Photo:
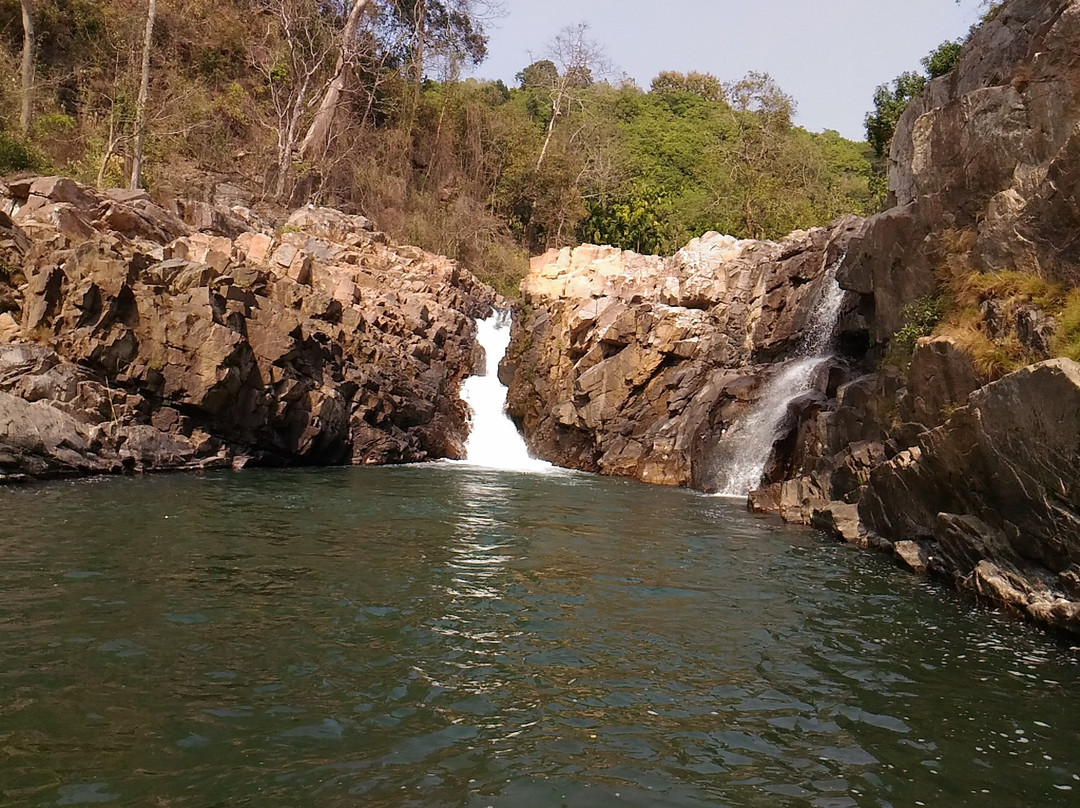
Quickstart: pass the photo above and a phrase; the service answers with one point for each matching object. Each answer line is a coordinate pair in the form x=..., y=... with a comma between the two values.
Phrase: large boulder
x=635, y=365
x=998, y=483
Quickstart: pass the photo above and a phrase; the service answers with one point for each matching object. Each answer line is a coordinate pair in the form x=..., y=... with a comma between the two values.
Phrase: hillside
x=477, y=171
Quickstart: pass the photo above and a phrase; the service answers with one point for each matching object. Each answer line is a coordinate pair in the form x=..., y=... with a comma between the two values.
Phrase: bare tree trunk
x=144, y=91
x=317, y=138
x=27, y=65
x=109, y=150
x=286, y=141
x=547, y=139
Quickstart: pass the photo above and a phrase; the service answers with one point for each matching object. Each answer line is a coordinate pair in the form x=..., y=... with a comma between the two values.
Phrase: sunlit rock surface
x=633, y=365
x=143, y=338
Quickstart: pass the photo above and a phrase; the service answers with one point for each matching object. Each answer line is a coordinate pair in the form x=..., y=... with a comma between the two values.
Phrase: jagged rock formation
x=138, y=338
x=632, y=365
x=994, y=148
x=981, y=484
x=636, y=366
x=992, y=496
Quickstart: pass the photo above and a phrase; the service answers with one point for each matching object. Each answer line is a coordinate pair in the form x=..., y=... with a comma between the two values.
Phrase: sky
x=828, y=54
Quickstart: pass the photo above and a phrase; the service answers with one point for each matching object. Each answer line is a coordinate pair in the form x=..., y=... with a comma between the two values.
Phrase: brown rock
x=636, y=364
x=997, y=482
x=940, y=379
x=912, y=554
x=264, y=368
x=840, y=519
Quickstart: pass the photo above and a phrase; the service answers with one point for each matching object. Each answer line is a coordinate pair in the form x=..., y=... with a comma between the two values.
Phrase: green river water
x=447, y=636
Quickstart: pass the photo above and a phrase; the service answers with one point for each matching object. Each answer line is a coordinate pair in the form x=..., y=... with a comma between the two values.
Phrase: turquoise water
x=443, y=636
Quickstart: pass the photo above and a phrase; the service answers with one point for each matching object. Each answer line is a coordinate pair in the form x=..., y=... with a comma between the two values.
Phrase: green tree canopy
x=890, y=100
x=942, y=60
x=705, y=85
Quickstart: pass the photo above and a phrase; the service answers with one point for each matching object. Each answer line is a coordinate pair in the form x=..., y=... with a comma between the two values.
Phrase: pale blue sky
x=828, y=54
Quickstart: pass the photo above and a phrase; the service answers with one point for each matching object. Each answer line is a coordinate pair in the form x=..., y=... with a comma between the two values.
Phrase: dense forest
x=361, y=106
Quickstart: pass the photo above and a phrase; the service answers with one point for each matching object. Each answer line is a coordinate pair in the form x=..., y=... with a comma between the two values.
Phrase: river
x=448, y=636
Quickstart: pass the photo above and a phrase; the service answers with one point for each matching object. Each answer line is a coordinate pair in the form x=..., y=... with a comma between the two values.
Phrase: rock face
x=135, y=340
x=992, y=496
x=634, y=365
x=994, y=149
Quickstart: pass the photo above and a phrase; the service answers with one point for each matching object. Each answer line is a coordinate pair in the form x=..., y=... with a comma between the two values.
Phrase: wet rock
x=794, y=500
x=635, y=365
x=912, y=554
x=840, y=519
x=997, y=482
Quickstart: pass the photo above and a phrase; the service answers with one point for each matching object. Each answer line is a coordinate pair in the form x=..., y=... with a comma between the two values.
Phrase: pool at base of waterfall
x=444, y=635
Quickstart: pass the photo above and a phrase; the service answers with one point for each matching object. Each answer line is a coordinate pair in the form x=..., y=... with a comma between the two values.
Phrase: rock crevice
x=199, y=337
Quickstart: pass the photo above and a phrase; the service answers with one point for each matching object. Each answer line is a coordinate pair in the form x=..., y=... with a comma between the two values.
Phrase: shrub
x=1067, y=340
x=991, y=359
x=920, y=318
x=15, y=155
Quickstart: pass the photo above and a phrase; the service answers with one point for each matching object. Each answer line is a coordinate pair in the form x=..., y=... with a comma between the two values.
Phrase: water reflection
x=443, y=636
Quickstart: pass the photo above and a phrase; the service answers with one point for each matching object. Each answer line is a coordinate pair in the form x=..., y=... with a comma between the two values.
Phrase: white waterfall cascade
x=749, y=442
x=494, y=441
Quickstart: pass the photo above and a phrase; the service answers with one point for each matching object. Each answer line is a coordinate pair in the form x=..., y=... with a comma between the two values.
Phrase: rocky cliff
x=134, y=337
x=633, y=365
x=641, y=366
x=984, y=488
x=991, y=151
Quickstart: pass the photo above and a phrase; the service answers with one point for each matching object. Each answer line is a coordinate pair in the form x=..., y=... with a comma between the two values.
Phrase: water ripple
x=443, y=636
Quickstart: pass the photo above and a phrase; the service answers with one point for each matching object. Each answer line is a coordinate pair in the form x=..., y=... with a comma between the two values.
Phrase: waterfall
x=748, y=444
x=494, y=441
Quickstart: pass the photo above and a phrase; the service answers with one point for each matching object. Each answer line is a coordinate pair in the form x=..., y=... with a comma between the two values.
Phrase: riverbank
x=136, y=337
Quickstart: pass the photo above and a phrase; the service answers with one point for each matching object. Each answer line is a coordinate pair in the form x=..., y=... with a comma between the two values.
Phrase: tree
x=889, y=104
x=762, y=112
x=295, y=56
x=579, y=58
x=318, y=134
x=704, y=85
x=890, y=100
x=144, y=91
x=539, y=75
x=27, y=8
x=758, y=92
x=942, y=60
x=638, y=220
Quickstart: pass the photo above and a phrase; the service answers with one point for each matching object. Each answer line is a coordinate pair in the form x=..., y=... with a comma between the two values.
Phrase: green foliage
x=942, y=60
x=704, y=85
x=16, y=155
x=540, y=75
x=53, y=124
x=890, y=101
x=676, y=164
x=637, y=221
x=920, y=318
